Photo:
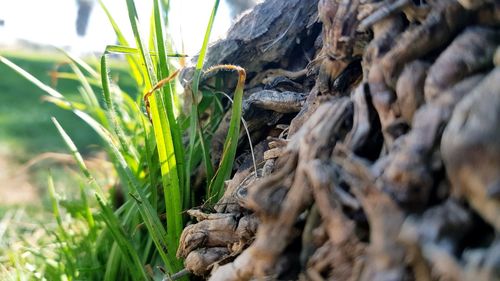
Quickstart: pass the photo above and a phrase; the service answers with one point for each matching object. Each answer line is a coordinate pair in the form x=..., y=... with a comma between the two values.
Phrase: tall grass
x=154, y=158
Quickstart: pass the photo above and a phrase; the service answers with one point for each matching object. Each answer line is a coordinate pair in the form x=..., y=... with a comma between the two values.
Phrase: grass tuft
x=131, y=228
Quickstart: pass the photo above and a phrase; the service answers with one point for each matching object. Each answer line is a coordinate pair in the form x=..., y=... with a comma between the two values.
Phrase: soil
x=15, y=187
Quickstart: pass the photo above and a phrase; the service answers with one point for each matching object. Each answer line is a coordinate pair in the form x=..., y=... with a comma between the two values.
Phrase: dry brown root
x=444, y=225
x=201, y=261
x=313, y=235
x=496, y=59
x=344, y=247
x=471, y=150
x=385, y=254
x=409, y=175
x=410, y=89
x=312, y=102
x=342, y=42
x=341, y=39
x=282, y=197
x=488, y=15
x=215, y=230
x=317, y=134
x=372, y=13
x=245, y=175
x=362, y=139
x=435, y=236
x=473, y=4
x=483, y=265
x=446, y=18
x=470, y=52
x=383, y=98
x=329, y=70
x=384, y=34
x=319, y=263
x=216, y=237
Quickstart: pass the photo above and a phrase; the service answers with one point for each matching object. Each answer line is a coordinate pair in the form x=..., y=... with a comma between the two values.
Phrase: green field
x=25, y=126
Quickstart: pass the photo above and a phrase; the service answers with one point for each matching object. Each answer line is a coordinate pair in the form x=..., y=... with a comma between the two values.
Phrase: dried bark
x=382, y=154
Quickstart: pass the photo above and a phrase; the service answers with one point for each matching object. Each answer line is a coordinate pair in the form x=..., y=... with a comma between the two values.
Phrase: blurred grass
x=25, y=125
x=96, y=237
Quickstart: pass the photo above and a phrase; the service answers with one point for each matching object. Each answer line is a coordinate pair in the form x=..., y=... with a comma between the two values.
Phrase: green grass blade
x=130, y=255
x=168, y=98
x=72, y=76
x=133, y=62
x=78, y=157
x=65, y=104
x=116, y=27
x=81, y=64
x=87, y=100
x=165, y=132
x=64, y=238
x=118, y=49
x=53, y=95
x=151, y=78
x=89, y=217
x=206, y=39
x=55, y=204
x=151, y=164
x=194, y=127
x=125, y=145
x=148, y=214
x=32, y=79
x=170, y=180
x=216, y=187
x=112, y=272
x=87, y=92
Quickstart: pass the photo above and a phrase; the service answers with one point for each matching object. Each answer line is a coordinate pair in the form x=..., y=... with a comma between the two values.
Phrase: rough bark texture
x=378, y=132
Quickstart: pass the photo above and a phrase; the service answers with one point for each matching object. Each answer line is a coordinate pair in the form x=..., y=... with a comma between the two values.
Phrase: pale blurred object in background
x=82, y=18
x=82, y=27
x=236, y=7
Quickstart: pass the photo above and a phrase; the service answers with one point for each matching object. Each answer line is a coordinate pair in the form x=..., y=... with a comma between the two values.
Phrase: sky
x=52, y=22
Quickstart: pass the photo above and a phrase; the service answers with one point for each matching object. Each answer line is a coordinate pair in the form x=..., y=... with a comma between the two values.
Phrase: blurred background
x=82, y=27
x=31, y=31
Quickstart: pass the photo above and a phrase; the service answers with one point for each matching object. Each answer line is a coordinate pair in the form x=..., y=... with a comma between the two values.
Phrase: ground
x=16, y=188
